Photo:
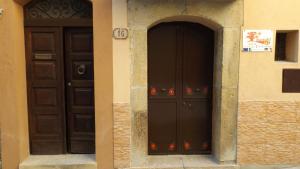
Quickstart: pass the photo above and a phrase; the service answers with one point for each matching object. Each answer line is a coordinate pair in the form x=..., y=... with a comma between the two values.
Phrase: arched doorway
x=60, y=76
x=180, y=85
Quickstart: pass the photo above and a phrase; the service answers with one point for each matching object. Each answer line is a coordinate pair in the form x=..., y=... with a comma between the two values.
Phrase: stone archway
x=222, y=105
x=142, y=16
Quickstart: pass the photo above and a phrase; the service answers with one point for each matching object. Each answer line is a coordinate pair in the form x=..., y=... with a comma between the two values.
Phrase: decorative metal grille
x=58, y=9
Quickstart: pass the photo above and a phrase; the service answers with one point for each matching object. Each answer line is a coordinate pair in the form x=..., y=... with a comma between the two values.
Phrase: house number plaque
x=120, y=33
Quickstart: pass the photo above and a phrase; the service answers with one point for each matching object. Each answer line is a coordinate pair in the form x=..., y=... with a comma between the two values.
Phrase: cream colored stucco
x=260, y=76
x=121, y=59
x=268, y=120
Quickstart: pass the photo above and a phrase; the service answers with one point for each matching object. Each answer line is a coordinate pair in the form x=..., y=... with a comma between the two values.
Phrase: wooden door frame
x=59, y=23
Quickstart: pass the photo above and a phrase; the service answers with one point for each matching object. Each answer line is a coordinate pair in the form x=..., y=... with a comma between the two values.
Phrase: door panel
x=80, y=90
x=196, y=130
x=162, y=127
x=44, y=70
x=163, y=86
x=162, y=62
x=197, y=89
x=180, y=75
x=197, y=61
x=45, y=90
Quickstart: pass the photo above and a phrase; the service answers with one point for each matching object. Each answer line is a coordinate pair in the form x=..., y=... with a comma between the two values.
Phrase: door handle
x=198, y=90
x=163, y=89
x=69, y=84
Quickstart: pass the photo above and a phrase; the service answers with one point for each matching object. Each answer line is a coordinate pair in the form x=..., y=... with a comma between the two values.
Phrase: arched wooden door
x=180, y=79
x=60, y=76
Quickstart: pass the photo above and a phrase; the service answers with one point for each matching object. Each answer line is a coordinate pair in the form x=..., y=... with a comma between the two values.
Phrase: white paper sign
x=257, y=40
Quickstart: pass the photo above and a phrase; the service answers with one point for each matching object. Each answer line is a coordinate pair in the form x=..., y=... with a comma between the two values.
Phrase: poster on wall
x=257, y=40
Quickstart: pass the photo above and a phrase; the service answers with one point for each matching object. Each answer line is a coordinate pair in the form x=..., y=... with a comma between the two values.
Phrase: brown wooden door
x=45, y=75
x=180, y=74
x=60, y=90
x=80, y=90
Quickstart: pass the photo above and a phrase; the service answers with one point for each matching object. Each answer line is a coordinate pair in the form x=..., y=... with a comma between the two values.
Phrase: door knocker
x=81, y=69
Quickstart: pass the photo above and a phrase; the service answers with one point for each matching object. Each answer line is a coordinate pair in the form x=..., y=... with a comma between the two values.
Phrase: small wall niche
x=287, y=45
x=291, y=81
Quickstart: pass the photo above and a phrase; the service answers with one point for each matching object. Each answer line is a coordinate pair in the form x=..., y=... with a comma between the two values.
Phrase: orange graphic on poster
x=252, y=35
x=257, y=40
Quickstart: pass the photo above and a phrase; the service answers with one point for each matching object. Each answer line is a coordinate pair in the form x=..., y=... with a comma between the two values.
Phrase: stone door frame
x=226, y=67
x=224, y=100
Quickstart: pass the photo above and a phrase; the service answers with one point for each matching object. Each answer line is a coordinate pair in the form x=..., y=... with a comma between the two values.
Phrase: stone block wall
x=269, y=133
x=122, y=133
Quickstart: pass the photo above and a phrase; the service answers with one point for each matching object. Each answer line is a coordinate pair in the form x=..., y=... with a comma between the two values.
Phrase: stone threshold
x=278, y=166
x=68, y=161
x=183, y=162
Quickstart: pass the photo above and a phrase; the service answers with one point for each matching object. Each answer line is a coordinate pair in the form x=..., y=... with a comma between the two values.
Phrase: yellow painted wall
x=15, y=140
x=103, y=79
x=260, y=76
x=268, y=120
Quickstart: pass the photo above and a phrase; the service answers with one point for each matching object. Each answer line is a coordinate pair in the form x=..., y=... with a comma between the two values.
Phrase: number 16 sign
x=120, y=33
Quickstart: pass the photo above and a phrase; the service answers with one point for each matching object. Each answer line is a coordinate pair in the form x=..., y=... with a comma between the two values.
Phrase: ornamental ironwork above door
x=58, y=9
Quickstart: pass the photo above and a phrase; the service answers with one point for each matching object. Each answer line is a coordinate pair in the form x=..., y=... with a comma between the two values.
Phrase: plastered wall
x=260, y=76
x=14, y=131
x=268, y=120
